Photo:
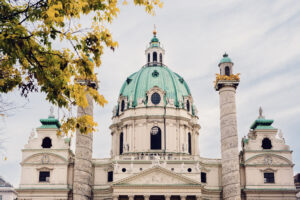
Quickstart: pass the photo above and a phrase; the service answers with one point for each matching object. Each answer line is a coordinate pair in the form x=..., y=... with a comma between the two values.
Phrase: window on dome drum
x=190, y=143
x=155, y=98
x=203, y=177
x=154, y=57
x=121, y=143
x=44, y=176
x=269, y=177
x=122, y=106
x=227, y=71
x=47, y=143
x=148, y=57
x=188, y=105
x=155, y=138
x=110, y=176
x=160, y=58
x=266, y=143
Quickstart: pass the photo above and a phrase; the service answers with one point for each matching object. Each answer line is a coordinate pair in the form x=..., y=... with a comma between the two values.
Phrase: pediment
x=44, y=158
x=268, y=159
x=157, y=176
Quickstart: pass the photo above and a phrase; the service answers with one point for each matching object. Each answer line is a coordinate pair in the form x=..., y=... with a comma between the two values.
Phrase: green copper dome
x=225, y=59
x=154, y=39
x=137, y=84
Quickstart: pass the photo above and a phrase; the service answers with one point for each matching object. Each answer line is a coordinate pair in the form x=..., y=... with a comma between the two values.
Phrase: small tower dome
x=225, y=59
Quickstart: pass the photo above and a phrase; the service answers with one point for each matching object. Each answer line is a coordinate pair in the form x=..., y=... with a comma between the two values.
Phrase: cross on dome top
x=154, y=30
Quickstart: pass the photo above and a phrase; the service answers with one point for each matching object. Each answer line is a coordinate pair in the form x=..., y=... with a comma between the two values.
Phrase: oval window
x=155, y=98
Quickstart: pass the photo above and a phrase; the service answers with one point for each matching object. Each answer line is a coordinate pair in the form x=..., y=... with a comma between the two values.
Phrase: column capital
x=146, y=197
x=131, y=197
x=116, y=197
x=167, y=197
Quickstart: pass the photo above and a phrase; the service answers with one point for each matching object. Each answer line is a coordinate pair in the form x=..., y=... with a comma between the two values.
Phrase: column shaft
x=229, y=142
x=82, y=186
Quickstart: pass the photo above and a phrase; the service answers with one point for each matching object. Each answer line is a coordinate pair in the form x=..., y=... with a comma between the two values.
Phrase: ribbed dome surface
x=137, y=84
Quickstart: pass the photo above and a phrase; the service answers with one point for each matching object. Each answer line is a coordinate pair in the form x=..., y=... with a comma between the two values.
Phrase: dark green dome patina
x=137, y=84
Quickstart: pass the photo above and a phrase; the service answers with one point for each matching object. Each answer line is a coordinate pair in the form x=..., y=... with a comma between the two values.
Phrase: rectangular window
x=203, y=177
x=0, y=197
x=269, y=178
x=44, y=176
x=110, y=176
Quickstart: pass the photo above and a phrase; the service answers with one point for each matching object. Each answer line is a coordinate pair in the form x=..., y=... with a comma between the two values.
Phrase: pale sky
x=261, y=37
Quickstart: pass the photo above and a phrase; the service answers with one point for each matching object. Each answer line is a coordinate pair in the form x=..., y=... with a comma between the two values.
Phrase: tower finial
x=51, y=112
x=260, y=113
x=154, y=30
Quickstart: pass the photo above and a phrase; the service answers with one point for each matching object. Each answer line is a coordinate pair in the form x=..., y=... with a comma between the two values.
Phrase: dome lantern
x=154, y=53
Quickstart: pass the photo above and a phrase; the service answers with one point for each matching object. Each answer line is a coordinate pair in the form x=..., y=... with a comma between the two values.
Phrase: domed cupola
x=155, y=114
x=155, y=85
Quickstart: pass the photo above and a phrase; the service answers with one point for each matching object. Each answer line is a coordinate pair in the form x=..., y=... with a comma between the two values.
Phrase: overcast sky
x=261, y=37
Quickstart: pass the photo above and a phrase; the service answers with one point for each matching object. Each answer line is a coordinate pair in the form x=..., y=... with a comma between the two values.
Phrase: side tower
x=83, y=168
x=226, y=83
x=267, y=164
x=47, y=164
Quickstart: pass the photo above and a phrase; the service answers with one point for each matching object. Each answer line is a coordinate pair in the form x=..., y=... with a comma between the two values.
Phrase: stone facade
x=155, y=148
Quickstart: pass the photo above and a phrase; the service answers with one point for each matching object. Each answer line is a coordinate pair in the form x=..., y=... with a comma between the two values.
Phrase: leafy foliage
x=29, y=60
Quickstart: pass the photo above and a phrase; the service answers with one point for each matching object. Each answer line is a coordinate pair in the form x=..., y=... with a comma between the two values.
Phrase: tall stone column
x=226, y=84
x=83, y=169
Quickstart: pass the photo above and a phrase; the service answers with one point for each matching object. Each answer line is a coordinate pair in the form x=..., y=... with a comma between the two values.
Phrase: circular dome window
x=155, y=98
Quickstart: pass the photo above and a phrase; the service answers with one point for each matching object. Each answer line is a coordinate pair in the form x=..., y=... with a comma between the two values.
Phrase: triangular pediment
x=157, y=176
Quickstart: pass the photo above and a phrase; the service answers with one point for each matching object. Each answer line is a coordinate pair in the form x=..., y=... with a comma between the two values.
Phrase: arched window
x=266, y=143
x=190, y=143
x=148, y=57
x=160, y=58
x=121, y=143
x=188, y=105
x=122, y=105
x=227, y=71
x=47, y=143
x=154, y=57
x=155, y=138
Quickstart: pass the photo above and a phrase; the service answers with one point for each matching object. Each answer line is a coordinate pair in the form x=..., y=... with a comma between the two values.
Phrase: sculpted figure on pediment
x=268, y=160
x=44, y=159
x=156, y=178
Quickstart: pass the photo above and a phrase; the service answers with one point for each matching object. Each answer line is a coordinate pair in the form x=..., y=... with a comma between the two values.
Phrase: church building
x=155, y=147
